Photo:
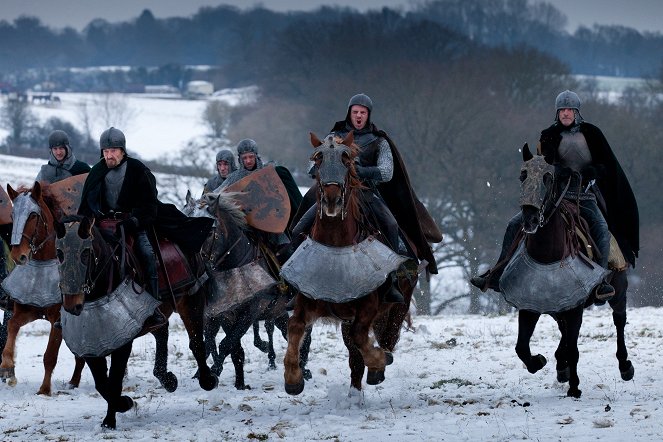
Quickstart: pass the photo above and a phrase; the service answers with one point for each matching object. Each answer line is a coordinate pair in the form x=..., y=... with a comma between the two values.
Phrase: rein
x=543, y=220
x=34, y=249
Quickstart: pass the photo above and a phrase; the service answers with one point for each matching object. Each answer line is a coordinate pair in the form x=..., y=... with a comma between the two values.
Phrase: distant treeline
x=236, y=39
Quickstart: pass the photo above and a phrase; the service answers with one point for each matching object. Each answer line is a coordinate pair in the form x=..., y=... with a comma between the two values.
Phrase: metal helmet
x=247, y=145
x=567, y=100
x=362, y=100
x=112, y=137
x=227, y=156
x=58, y=138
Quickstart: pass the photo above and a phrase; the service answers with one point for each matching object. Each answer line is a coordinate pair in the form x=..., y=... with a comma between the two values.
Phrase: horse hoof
x=209, y=383
x=12, y=381
x=574, y=393
x=306, y=373
x=242, y=387
x=563, y=375
x=374, y=377
x=7, y=373
x=109, y=423
x=388, y=358
x=294, y=389
x=124, y=404
x=628, y=374
x=168, y=382
x=271, y=366
x=537, y=363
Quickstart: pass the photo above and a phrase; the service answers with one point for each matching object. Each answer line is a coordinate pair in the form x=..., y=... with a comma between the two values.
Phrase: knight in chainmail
x=580, y=150
x=248, y=159
x=225, y=166
x=62, y=162
x=377, y=162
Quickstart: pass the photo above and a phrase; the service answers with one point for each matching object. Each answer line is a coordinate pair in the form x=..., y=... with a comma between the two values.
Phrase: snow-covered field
x=454, y=378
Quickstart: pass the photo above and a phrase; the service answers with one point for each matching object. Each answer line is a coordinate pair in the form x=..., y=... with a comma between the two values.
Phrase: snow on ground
x=454, y=378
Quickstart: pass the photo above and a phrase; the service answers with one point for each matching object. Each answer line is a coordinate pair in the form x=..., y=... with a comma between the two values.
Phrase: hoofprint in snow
x=454, y=378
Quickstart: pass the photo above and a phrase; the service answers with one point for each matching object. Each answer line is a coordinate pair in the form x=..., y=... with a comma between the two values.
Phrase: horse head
x=33, y=234
x=537, y=179
x=334, y=163
x=77, y=260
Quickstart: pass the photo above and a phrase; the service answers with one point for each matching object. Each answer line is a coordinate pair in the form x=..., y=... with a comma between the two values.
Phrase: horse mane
x=227, y=203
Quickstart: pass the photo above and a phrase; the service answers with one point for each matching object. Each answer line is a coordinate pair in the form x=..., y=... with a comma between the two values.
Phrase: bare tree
x=17, y=117
x=217, y=117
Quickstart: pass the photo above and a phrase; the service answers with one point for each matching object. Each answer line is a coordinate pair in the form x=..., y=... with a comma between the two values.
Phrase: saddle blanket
x=232, y=287
x=340, y=274
x=548, y=288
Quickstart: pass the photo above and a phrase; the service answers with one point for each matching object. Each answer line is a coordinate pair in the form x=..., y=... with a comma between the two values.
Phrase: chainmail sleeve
x=385, y=162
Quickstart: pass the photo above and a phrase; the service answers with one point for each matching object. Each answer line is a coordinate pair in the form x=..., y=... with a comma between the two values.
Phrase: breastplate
x=573, y=151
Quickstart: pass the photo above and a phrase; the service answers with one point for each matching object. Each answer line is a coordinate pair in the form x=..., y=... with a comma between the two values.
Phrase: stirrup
x=480, y=282
x=604, y=291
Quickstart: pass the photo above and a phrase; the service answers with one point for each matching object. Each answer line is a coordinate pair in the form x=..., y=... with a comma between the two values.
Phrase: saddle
x=171, y=259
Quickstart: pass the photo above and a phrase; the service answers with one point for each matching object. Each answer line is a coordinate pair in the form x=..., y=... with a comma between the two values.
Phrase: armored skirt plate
x=340, y=274
x=36, y=283
x=107, y=323
x=232, y=287
x=548, y=288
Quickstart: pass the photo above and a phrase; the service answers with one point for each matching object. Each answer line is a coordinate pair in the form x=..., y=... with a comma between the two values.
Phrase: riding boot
x=393, y=294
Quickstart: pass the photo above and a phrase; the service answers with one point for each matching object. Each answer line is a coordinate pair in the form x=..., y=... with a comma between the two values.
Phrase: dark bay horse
x=246, y=291
x=33, y=250
x=93, y=270
x=548, y=221
x=340, y=225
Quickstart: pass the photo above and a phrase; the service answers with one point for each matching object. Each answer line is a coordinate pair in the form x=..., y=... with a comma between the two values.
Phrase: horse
x=247, y=292
x=548, y=226
x=339, y=228
x=98, y=275
x=33, y=251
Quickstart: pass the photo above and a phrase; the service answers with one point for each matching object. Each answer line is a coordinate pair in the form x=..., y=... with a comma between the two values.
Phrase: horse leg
x=257, y=340
x=618, y=304
x=237, y=356
x=191, y=311
x=211, y=329
x=75, y=380
x=19, y=318
x=561, y=356
x=526, y=324
x=3, y=330
x=303, y=354
x=117, y=403
x=355, y=360
x=292, y=372
x=374, y=357
x=572, y=322
x=51, y=357
x=271, y=354
x=167, y=378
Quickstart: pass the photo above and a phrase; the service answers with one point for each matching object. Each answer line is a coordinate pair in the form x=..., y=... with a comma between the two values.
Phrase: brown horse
x=33, y=242
x=340, y=224
x=93, y=270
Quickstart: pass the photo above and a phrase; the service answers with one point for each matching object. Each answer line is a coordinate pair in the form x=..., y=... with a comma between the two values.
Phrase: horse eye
x=523, y=175
x=85, y=257
x=60, y=255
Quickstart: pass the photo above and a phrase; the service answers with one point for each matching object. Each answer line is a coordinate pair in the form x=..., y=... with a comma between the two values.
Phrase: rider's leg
x=491, y=279
x=149, y=262
x=598, y=228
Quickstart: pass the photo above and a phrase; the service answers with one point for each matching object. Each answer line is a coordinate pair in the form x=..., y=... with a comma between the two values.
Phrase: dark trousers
x=148, y=260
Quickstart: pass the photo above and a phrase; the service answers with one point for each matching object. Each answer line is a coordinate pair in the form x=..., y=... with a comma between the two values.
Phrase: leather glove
x=368, y=172
x=130, y=225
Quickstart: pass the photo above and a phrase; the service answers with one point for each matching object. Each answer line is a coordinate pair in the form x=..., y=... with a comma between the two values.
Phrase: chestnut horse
x=545, y=228
x=341, y=224
x=33, y=242
x=91, y=270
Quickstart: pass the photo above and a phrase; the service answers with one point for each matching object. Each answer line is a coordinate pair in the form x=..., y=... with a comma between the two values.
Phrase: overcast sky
x=644, y=15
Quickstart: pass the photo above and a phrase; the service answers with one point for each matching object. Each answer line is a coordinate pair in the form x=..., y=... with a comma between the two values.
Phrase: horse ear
x=188, y=196
x=349, y=139
x=36, y=191
x=527, y=155
x=11, y=192
x=315, y=141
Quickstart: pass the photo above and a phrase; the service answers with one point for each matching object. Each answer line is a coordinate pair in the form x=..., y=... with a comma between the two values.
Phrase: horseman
x=123, y=188
x=249, y=162
x=61, y=163
x=225, y=165
x=598, y=184
x=381, y=168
